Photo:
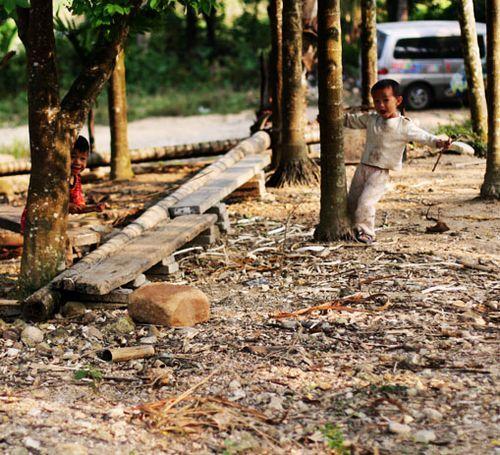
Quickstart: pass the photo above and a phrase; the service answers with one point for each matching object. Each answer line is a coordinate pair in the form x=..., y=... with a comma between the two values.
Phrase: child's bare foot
x=363, y=237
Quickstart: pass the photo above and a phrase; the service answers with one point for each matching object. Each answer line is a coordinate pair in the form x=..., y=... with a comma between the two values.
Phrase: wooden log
x=140, y=255
x=223, y=222
x=254, y=188
x=9, y=308
x=120, y=295
x=221, y=187
x=45, y=301
x=130, y=353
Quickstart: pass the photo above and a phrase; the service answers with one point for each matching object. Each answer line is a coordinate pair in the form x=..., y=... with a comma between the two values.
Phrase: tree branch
x=98, y=68
x=22, y=22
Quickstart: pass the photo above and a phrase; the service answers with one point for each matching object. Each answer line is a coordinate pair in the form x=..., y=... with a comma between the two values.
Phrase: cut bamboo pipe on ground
x=44, y=302
x=124, y=354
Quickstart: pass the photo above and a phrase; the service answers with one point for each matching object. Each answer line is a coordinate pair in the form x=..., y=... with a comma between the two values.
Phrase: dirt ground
x=407, y=363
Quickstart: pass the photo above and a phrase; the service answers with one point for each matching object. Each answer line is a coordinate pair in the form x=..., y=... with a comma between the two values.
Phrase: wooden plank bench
x=139, y=255
x=10, y=219
x=218, y=189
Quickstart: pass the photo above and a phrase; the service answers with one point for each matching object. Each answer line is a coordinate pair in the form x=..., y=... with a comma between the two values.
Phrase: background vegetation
x=173, y=71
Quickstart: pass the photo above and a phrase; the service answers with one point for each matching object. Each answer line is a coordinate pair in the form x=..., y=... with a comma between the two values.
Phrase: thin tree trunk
x=121, y=166
x=294, y=167
x=334, y=221
x=473, y=69
x=191, y=30
x=211, y=23
x=368, y=49
x=91, y=129
x=46, y=209
x=276, y=22
x=398, y=10
x=491, y=185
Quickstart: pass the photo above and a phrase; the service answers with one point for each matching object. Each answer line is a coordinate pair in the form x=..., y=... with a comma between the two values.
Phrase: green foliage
x=334, y=438
x=463, y=132
x=88, y=373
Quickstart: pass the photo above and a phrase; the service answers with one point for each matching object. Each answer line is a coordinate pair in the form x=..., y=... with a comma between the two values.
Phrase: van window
x=432, y=47
x=381, y=37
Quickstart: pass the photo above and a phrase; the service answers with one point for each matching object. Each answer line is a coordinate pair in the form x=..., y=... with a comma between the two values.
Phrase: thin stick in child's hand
x=437, y=161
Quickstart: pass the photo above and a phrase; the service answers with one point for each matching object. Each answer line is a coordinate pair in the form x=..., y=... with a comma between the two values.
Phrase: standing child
x=387, y=133
x=79, y=157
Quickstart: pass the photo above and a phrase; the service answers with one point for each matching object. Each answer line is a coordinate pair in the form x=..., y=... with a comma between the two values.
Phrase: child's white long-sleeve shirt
x=386, y=138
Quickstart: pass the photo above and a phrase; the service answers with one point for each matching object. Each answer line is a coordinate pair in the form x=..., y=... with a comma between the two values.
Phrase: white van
x=423, y=56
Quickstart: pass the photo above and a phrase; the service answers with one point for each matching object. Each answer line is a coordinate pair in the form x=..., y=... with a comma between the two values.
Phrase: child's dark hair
x=82, y=144
x=396, y=90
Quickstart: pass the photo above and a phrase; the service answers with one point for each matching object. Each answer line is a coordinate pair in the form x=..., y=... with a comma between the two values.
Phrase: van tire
x=418, y=96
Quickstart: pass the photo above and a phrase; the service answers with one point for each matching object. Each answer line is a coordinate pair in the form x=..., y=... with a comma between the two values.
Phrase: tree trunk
x=398, y=10
x=491, y=185
x=473, y=69
x=191, y=30
x=368, y=49
x=276, y=21
x=121, y=166
x=294, y=167
x=46, y=209
x=53, y=126
x=91, y=129
x=211, y=23
x=334, y=221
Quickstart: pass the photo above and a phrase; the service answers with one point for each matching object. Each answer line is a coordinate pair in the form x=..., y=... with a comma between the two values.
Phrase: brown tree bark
x=491, y=185
x=294, y=167
x=53, y=127
x=121, y=165
x=368, y=49
x=334, y=223
x=276, y=22
x=191, y=29
x=398, y=10
x=91, y=129
x=473, y=69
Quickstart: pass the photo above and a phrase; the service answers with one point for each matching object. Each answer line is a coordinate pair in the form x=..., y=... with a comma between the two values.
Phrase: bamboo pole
x=124, y=354
x=145, y=155
x=45, y=301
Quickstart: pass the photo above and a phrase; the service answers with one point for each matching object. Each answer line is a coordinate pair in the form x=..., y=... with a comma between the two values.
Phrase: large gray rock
x=169, y=304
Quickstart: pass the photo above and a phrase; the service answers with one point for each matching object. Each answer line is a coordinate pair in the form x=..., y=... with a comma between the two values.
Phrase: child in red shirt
x=79, y=157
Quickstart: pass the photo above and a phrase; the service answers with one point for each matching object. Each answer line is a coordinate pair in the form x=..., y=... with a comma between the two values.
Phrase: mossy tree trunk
x=121, y=165
x=368, y=49
x=491, y=185
x=53, y=126
x=473, y=69
x=294, y=166
x=275, y=12
x=334, y=223
x=399, y=10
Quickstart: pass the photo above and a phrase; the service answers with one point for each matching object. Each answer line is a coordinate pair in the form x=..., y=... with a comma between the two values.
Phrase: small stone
x=169, y=304
x=432, y=414
x=408, y=419
x=148, y=340
x=289, y=324
x=276, y=403
x=399, y=428
x=12, y=333
x=43, y=348
x=70, y=449
x=12, y=352
x=425, y=436
x=139, y=281
x=123, y=326
x=94, y=332
x=19, y=323
x=153, y=331
x=73, y=309
x=31, y=443
x=31, y=335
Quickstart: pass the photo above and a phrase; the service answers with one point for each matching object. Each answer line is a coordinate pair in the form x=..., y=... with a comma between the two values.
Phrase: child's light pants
x=367, y=187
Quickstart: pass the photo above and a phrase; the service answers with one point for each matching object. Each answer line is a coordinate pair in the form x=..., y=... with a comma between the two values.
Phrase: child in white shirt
x=387, y=133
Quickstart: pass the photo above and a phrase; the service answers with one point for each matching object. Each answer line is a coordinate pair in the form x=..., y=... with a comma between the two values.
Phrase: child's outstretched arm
x=357, y=121
x=416, y=134
x=77, y=209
